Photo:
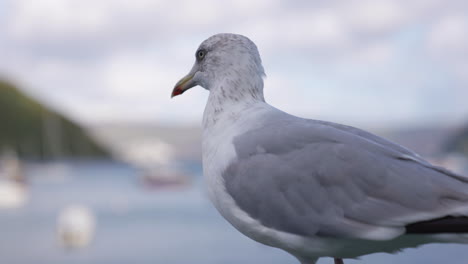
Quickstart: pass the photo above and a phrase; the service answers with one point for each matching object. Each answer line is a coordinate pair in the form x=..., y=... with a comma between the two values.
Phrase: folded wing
x=313, y=178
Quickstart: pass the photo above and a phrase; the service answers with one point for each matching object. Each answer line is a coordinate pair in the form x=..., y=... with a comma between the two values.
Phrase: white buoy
x=75, y=226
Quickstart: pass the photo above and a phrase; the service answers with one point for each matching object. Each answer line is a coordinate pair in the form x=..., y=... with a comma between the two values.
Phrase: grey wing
x=310, y=178
x=373, y=138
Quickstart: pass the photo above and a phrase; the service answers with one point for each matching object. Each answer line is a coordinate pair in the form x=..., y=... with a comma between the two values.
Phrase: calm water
x=136, y=225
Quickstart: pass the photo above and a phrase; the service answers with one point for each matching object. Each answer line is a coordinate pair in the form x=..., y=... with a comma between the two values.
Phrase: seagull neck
x=230, y=97
x=238, y=90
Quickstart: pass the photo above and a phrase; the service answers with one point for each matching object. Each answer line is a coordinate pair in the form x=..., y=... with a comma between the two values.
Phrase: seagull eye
x=200, y=54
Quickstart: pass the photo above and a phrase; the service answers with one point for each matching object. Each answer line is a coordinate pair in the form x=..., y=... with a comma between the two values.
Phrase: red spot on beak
x=177, y=91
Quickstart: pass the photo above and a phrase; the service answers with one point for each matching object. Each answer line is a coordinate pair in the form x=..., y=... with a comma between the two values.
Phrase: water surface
x=137, y=225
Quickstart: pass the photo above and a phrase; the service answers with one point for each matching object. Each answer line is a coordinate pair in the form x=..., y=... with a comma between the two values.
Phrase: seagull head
x=223, y=57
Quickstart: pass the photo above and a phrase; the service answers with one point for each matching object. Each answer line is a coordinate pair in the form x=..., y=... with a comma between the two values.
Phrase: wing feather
x=312, y=178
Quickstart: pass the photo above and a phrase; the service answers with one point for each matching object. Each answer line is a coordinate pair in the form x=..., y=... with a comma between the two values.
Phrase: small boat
x=164, y=177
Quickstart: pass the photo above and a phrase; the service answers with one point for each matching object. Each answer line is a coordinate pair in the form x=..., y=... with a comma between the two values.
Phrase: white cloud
x=375, y=16
x=449, y=36
x=130, y=76
x=55, y=18
x=448, y=43
x=118, y=60
x=462, y=72
x=375, y=53
x=320, y=29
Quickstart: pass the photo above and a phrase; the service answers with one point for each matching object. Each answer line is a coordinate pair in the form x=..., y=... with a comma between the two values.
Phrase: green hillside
x=35, y=132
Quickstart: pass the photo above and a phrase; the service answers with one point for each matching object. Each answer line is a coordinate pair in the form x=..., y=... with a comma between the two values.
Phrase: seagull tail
x=446, y=229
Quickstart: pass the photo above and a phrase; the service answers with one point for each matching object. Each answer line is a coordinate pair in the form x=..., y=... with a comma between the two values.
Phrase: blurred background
x=98, y=165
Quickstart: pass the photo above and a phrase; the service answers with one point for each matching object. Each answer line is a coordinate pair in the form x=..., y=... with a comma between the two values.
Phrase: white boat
x=155, y=159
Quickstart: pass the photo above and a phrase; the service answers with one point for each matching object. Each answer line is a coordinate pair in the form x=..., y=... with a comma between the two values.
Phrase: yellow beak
x=183, y=85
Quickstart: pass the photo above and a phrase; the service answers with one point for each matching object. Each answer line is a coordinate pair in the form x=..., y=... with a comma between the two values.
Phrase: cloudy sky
x=371, y=62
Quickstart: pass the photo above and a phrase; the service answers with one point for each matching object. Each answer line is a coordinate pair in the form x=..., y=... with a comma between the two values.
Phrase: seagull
x=313, y=188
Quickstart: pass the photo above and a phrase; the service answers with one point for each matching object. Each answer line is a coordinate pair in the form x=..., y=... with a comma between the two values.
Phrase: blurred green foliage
x=35, y=132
